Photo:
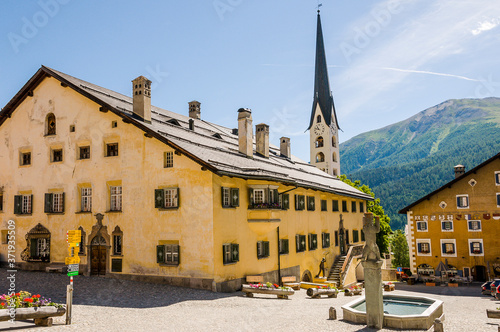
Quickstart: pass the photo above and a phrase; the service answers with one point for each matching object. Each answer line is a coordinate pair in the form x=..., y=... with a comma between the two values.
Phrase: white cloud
x=485, y=26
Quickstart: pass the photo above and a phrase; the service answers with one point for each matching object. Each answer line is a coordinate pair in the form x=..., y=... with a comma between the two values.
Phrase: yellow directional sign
x=73, y=244
x=72, y=260
x=77, y=233
x=74, y=239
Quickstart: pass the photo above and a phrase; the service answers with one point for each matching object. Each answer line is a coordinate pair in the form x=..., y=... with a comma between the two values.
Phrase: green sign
x=74, y=273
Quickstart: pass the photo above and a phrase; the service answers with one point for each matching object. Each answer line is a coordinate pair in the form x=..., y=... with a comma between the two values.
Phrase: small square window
x=116, y=198
x=300, y=243
x=313, y=241
x=355, y=236
x=344, y=206
x=498, y=200
x=25, y=158
x=231, y=253
x=117, y=244
x=262, y=249
x=167, y=198
x=497, y=178
x=323, y=205
x=72, y=128
x=85, y=152
x=325, y=239
x=422, y=226
x=310, y=203
x=361, y=207
x=474, y=225
x=168, y=159
x=114, y=124
x=424, y=248
x=476, y=247
x=112, y=150
x=335, y=205
x=353, y=206
x=57, y=155
x=447, y=226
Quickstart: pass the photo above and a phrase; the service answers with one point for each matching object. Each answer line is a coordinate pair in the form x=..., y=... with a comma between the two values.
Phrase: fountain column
x=372, y=264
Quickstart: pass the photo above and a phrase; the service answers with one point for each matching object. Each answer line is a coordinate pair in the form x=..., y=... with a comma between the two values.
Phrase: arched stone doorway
x=306, y=276
x=99, y=244
x=98, y=255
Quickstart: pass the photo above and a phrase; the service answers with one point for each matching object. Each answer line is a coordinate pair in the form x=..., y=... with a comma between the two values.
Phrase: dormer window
x=50, y=124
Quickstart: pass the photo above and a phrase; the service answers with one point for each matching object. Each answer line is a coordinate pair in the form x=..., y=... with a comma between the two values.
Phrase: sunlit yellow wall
x=231, y=225
x=138, y=168
x=482, y=199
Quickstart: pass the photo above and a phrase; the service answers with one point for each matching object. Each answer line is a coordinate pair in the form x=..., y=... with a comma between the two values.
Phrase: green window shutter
x=235, y=252
x=159, y=198
x=224, y=253
x=178, y=197
x=63, y=201
x=296, y=202
x=286, y=246
x=362, y=235
x=336, y=238
x=32, y=204
x=235, y=197
x=443, y=248
x=160, y=254
x=286, y=201
x=275, y=196
x=480, y=247
x=267, y=196
x=48, y=203
x=222, y=196
x=33, y=245
x=419, y=247
x=347, y=236
x=18, y=201
x=177, y=249
x=266, y=248
x=498, y=198
x=250, y=196
x=258, y=247
x=328, y=240
x=297, y=243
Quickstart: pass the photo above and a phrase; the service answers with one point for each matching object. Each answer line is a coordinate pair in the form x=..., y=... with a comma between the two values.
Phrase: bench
x=250, y=291
x=291, y=282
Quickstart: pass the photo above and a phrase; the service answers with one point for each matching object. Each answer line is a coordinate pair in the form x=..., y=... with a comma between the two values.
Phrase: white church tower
x=323, y=127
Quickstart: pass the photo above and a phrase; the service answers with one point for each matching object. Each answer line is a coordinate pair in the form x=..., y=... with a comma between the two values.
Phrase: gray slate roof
x=220, y=155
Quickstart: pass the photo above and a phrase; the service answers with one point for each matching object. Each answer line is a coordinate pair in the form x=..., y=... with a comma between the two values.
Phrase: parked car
x=486, y=288
x=497, y=293
x=493, y=287
x=405, y=274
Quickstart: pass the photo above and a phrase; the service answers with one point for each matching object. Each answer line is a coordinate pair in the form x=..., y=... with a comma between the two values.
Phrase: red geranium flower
x=2, y=304
x=18, y=294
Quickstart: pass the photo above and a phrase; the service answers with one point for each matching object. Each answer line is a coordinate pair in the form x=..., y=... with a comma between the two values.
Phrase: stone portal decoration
x=373, y=274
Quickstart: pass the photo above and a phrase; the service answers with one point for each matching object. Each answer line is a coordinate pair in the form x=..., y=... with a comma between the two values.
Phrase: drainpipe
x=279, y=258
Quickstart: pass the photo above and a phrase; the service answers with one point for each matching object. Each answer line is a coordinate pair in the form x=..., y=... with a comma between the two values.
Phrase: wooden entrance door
x=98, y=256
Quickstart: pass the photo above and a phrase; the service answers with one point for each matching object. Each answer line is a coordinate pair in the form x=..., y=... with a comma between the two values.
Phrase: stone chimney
x=191, y=124
x=245, y=131
x=194, y=109
x=285, y=147
x=141, y=89
x=459, y=170
x=262, y=139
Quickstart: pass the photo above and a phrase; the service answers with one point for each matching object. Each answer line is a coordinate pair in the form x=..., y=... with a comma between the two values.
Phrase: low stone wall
x=198, y=283
x=389, y=275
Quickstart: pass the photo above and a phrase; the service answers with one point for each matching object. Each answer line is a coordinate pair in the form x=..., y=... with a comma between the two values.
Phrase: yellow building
x=458, y=223
x=165, y=197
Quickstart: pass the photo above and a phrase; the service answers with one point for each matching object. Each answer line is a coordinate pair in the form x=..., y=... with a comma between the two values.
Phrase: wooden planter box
x=41, y=315
x=316, y=293
x=493, y=313
x=389, y=288
x=280, y=293
x=430, y=284
x=452, y=284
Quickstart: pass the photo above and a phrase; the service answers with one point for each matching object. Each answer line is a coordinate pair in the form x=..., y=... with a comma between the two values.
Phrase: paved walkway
x=103, y=304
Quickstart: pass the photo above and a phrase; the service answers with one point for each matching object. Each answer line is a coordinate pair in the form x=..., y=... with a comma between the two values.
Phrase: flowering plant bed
x=268, y=288
x=353, y=290
x=329, y=290
x=23, y=305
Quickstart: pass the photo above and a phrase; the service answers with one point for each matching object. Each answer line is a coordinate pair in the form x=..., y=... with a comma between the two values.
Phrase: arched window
x=50, y=124
x=318, y=118
x=320, y=157
x=319, y=142
x=38, y=245
x=334, y=143
x=334, y=157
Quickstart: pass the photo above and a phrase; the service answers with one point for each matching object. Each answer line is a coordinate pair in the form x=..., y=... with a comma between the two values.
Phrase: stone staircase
x=336, y=269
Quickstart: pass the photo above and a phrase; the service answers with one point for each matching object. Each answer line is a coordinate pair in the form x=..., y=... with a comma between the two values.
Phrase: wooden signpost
x=73, y=261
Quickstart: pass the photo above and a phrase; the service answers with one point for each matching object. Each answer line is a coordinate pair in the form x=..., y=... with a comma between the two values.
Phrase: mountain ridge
x=422, y=149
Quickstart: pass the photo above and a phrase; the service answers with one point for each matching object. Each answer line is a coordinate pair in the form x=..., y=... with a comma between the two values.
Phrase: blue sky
x=387, y=59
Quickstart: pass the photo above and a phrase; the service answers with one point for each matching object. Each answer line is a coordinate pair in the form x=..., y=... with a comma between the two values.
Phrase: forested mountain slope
x=407, y=160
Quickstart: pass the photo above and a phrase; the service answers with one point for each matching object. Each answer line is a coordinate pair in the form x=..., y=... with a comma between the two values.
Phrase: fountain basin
x=400, y=311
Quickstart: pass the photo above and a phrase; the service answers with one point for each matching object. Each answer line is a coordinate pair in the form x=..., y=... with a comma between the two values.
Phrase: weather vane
x=319, y=5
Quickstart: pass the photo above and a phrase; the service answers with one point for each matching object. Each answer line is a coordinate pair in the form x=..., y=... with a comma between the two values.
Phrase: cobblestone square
x=103, y=304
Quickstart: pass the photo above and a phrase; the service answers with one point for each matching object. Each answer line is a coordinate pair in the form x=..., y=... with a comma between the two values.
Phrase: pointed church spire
x=322, y=92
